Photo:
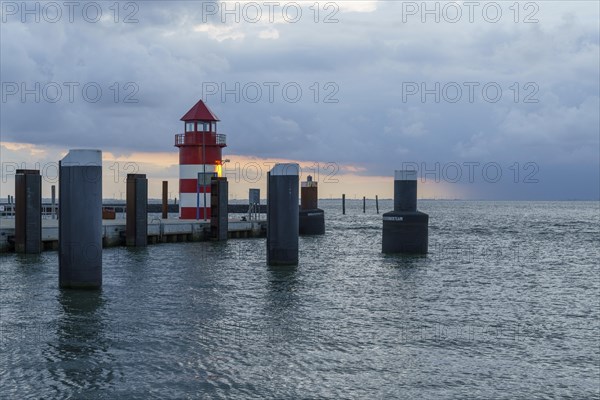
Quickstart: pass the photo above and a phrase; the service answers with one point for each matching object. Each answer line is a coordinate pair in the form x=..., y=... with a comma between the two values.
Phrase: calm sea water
x=504, y=306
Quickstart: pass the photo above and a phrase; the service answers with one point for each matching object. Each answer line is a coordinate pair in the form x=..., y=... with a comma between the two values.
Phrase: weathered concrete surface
x=159, y=231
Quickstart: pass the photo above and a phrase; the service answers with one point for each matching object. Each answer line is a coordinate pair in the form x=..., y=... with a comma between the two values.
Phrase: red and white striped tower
x=199, y=155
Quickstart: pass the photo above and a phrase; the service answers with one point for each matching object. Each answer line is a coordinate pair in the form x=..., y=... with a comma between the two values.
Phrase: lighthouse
x=200, y=159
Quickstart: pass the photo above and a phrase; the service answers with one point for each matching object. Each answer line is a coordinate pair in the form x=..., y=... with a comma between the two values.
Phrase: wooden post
x=377, y=203
x=344, y=204
x=364, y=204
x=53, y=212
x=165, y=199
x=136, y=228
x=28, y=211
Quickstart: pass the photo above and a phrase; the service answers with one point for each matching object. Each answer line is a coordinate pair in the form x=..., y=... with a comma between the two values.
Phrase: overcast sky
x=486, y=89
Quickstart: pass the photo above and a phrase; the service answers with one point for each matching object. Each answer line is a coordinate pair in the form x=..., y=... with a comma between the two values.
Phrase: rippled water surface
x=505, y=305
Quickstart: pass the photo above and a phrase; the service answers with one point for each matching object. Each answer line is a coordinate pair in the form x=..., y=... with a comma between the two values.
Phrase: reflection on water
x=282, y=296
x=28, y=262
x=282, y=278
x=79, y=358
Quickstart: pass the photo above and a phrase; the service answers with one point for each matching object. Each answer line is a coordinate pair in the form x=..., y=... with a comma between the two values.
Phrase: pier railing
x=8, y=211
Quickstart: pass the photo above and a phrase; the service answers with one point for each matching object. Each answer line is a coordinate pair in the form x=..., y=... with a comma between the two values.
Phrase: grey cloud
x=368, y=55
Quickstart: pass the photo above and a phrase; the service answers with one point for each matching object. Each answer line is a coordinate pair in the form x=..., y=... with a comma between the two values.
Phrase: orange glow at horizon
x=243, y=173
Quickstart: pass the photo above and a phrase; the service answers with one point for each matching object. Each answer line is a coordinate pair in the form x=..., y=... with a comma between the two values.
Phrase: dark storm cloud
x=166, y=60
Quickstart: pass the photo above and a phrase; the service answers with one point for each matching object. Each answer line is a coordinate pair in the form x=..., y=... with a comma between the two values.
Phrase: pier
x=159, y=231
x=7, y=210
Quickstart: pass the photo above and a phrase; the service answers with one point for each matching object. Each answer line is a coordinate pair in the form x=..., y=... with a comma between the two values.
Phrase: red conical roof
x=200, y=112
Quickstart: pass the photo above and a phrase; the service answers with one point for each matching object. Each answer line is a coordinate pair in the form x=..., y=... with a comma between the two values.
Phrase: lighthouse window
x=201, y=127
x=189, y=126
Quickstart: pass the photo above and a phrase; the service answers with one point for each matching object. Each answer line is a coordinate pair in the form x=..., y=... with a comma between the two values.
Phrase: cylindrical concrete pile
x=80, y=220
x=405, y=230
x=312, y=218
x=282, y=214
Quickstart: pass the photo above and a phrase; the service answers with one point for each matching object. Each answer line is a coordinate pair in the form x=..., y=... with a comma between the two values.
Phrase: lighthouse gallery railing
x=196, y=138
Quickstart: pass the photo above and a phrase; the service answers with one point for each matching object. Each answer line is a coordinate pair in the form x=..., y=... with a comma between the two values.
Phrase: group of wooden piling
x=364, y=204
x=80, y=215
